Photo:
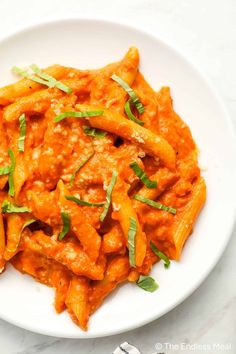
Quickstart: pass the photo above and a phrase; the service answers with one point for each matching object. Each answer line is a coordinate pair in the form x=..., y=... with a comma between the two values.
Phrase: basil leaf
x=77, y=115
x=131, y=240
x=11, y=191
x=160, y=254
x=135, y=99
x=95, y=133
x=147, y=283
x=42, y=78
x=82, y=202
x=108, y=195
x=130, y=115
x=154, y=204
x=66, y=225
x=52, y=82
x=21, y=140
x=4, y=170
x=27, y=223
x=142, y=176
x=79, y=167
x=8, y=207
x=24, y=73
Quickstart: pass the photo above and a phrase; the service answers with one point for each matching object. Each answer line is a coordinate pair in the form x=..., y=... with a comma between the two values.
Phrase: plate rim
x=32, y=25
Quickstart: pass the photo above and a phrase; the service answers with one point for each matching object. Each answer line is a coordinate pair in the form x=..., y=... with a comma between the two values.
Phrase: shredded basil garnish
x=11, y=191
x=21, y=140
x=77, y=115
x=24, y=73
x=66, y=225
x=131, y=240
x=160, y=254
x=95, y=133
x=79, y=167
x=4, y=170
x=51, y=81
x=27, y=223
x=8, y=207
x=83, y=202
x=135, y=99
x=147, y=283
x=142, y=176
x=41, y=78
x=154, y=204
x=130, y=115
x=108, y=195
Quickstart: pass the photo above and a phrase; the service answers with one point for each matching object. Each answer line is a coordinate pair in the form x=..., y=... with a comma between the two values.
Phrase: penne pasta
x=4, y=158
x=99, y=180
x=2, y=245
x=115, y=96
x=165, y=180
x=14, y=227
x=47, y=272
x=114, y=240
x=150, y=142
x=148, y=97
x=77, y=301
x=68, y=254
x=184, y=224
x=86, y=233
x=25, y=87
x=124, y=211
x=117, y=272
x=38, y=102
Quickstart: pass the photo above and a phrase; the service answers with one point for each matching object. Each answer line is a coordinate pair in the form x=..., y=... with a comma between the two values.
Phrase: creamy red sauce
x=93, y=257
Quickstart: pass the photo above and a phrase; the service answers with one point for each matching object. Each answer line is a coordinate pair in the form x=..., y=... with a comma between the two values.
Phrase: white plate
x=91, y=44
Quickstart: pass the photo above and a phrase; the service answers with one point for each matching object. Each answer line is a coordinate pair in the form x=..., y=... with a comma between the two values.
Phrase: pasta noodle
x=124, y=211
x=2, y=245
x=183, y=226
x=77, y=301
x=14, y=226
x=99, y=180
x=117, y=124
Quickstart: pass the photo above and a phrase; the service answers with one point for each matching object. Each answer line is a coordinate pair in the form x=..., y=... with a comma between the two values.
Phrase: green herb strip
x=83, y=202
x=42, y=78
x=154, y=204
x=131, y=240
x=108, y=195
x=130, y=115
x=142, y=176
x=79, y=167
x=93, y=132
x=73, y=114
x=4, y=170
x=66, y=225
x=135, y=99
x=27, y=223
x=160, y=254
x=21, y=140
x=8, y=207
x=11, y=191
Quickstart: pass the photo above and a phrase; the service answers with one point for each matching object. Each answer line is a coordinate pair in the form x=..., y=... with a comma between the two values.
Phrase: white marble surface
x=205, y=31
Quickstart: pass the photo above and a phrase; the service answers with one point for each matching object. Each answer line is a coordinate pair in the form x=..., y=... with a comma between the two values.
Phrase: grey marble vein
x=39, y=347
